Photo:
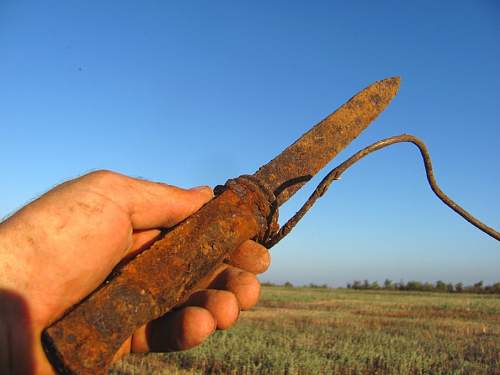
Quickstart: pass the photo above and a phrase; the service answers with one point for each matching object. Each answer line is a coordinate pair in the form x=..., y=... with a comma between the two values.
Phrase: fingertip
x=190, y=201
x=252, y=257
x=204, y=190
x=244, y=285
x=222, y=304
x=194, y=325
x=200, y=195
x=181, y=330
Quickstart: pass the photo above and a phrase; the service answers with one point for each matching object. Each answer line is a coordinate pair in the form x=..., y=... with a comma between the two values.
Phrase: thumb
x=157, y=205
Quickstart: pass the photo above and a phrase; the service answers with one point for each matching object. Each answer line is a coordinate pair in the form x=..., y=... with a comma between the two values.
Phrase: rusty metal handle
x=85, y=340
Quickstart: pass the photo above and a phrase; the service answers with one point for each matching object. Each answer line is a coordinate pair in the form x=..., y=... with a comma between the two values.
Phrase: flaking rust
x=85, y=340
x=293, y=167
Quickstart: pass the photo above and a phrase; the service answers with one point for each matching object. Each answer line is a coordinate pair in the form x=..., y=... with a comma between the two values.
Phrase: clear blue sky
x=194, y=93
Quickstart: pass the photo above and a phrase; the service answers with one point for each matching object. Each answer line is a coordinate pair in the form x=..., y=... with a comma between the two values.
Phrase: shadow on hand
x=16, y=335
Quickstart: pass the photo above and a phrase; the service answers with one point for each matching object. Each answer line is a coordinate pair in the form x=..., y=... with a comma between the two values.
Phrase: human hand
x=59, y=248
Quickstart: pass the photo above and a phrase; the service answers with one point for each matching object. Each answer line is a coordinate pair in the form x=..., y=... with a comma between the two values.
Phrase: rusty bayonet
x=85, y=340
x=286, y=173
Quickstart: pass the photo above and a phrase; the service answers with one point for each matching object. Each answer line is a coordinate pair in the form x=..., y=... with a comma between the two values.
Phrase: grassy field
x=331, y=331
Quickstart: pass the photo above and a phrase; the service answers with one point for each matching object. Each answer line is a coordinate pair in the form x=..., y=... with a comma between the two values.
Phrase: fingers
x=249, y=259
x=190, y=325
x=206, y=310
x=180, y=330
x=244, y=285
x=251, y=256
x=160, y=205
x=222, y=304
x=201, y=314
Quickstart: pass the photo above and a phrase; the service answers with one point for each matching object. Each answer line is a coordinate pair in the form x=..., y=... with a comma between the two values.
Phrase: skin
x=59, y=248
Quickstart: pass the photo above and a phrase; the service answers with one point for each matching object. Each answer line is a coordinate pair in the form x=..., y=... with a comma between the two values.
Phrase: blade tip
x=389, y=85
x=393, y=81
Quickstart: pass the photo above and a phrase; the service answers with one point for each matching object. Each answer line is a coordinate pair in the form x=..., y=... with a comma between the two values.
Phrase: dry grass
x=324, y=331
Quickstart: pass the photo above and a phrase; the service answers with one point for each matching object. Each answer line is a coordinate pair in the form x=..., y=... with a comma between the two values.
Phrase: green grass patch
x=324, y=331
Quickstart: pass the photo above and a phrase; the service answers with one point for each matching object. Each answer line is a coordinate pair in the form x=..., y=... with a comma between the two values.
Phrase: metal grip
x=85, y=340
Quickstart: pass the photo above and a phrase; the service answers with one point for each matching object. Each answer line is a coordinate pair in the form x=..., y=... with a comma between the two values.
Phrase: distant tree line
x=417, y=286
x=288, y=284
x=410, y=286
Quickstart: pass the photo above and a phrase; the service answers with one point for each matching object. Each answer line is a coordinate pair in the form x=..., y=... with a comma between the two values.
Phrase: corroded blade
x=291, y=169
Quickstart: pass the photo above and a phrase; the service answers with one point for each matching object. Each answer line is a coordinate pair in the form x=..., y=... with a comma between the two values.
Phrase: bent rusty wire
x=335, y=174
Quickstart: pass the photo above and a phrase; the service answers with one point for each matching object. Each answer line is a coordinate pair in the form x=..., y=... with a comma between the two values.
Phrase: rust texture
x=85, y=340
x=291, y=169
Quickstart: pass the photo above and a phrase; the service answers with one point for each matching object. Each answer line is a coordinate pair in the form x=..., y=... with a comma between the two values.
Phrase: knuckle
x=102, y=176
